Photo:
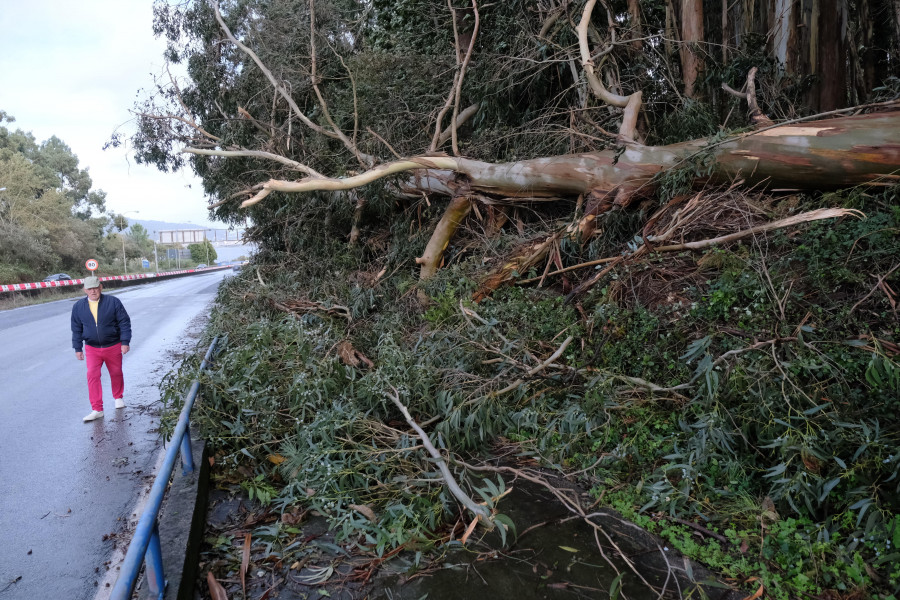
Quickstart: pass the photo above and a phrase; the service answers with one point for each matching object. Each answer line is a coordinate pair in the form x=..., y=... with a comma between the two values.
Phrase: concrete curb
x=181, y=525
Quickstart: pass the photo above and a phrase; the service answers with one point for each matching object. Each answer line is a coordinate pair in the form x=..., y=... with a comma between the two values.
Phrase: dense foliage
x=203, y=252
x=785, y=440
x=748, y=388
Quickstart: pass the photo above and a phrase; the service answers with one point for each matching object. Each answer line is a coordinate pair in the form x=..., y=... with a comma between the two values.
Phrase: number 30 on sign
x=91, y=264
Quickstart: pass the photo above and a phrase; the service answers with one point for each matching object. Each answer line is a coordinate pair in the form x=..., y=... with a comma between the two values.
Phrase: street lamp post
x=125, y=258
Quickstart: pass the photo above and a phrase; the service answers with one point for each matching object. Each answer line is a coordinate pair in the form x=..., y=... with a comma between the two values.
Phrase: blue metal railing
x=144, y=545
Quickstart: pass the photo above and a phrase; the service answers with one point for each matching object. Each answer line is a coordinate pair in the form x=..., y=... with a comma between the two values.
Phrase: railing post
x=153, y=560
x=187, y=452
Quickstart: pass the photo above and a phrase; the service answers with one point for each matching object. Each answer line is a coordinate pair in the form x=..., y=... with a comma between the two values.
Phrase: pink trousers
x=95, y=357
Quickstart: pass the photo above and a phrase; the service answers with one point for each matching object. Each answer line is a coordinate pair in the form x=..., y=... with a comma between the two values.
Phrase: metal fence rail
x=144, y=546
x=46, y=285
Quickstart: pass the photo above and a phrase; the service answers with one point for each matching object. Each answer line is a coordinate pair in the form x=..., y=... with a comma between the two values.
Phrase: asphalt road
x=69, y=489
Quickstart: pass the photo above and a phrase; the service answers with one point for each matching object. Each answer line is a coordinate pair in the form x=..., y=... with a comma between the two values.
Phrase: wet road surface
x=67, y=488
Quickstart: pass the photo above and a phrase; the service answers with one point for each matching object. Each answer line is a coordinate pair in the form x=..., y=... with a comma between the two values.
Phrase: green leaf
x=506, y=521
x=828, y=487
x=615, y=587
x=776, y=470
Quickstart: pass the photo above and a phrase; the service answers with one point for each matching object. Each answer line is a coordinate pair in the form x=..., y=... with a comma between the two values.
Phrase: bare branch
x=479, y=510
x=256, y=154
x=314, y=79
x=631, y=104
x=734, y=92
x=757, y=117
x=184, y=120
x=873, y=290
x=461, y=118
x=246, y=192
x=314, y=183
x=455, y=92
x=385, y=142
x=280, y=89
x=535, y=370
x=462, y=73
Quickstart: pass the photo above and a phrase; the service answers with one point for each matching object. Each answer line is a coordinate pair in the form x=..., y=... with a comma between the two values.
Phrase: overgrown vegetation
x=750, y=389
x=51, y=217
x=743, y=390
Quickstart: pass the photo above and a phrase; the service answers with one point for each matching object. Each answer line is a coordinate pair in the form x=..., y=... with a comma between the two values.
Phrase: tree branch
x=280, y=89
x=315, y=183
x=814, y=215
x=458, y=120
x=631, y=104
x=430, y=260
x=367, y=161
x=462, y=73
x=481, y=512
x=256, y=154
x=757, y=117
x=533, y=371
x=185, y=109
x=456, y=90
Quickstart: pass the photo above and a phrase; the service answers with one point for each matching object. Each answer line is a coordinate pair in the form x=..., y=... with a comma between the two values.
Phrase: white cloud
x=72, y=69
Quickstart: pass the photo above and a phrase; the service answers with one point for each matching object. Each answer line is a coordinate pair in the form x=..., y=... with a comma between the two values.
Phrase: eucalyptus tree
x=521, y=103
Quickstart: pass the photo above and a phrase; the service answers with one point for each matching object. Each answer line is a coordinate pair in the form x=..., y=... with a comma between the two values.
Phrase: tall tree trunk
x=786, y=17
x=831, y=53
x=867, y=40
x=691, y=36
x=896, y=9
x=815, y=155
x=634, y=15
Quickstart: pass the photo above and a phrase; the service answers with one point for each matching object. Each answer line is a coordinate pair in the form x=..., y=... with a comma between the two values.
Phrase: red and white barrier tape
x=16, y=287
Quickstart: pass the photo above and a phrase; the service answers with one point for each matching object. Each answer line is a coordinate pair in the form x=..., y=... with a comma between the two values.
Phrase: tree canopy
x=51, y=218
x=302, y=89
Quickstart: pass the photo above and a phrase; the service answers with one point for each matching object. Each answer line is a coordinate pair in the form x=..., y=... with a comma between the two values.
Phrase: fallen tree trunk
x=816, y=155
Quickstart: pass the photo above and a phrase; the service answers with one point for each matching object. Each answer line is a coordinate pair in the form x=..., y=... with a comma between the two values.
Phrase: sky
x=72, y=68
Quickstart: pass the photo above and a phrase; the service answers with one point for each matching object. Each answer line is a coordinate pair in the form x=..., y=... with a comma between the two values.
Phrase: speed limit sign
x=91, y=264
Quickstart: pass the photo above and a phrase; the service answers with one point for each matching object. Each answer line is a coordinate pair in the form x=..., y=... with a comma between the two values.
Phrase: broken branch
x=481, y=512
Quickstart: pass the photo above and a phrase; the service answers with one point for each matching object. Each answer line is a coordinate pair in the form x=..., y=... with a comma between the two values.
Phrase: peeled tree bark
x=691, y=36
x=815, y=155
x=826, y=154
x=430, y=260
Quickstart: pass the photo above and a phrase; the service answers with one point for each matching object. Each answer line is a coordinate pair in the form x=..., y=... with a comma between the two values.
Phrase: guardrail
x=41, y=285
x=144, y=546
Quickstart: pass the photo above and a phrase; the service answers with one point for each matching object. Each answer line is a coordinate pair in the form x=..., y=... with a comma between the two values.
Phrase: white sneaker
x=95, y=414
x=120, y=402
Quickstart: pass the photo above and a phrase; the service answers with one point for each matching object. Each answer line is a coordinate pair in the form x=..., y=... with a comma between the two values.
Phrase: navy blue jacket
x=113, y=324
